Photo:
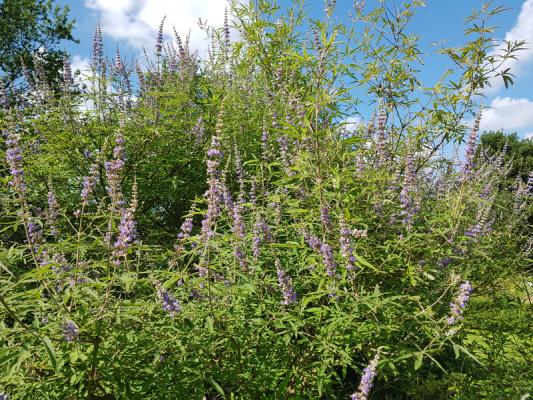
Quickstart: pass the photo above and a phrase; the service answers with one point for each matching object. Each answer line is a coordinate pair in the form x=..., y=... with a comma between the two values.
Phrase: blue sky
x=133, y=23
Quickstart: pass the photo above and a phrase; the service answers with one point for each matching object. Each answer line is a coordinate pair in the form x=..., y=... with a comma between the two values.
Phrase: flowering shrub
x=214, y=229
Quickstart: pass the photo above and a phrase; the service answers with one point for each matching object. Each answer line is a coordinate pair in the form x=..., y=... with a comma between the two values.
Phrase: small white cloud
x=508, y=113
x=137, y=21
x=528, y=135
x=352, y=123
x=79, y=63
x=522, y=30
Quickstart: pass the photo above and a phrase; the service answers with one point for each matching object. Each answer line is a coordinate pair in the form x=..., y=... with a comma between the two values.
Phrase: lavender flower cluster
x=14, y=161
x=53, y=211
x=71, y=331
x=324, y=250
x=184, y=234
x=168, y=302
x=469, y=165
x=261, y=233
x=367, y=380
x=127, y=230
x=285, y=284
x=408, y=201
x=347, y=246
x=215, y=191
x=113, y=172
x=459, y=304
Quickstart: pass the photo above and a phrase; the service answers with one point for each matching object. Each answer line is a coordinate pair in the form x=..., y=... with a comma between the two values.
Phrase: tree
x=519, y=152
x=28, y=28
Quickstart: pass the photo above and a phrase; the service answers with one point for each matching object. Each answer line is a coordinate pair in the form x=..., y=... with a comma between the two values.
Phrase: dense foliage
x=30, y=34
x=217, y=229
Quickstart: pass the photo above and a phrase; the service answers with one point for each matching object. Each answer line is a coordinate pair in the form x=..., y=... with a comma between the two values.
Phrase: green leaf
x=210, y=328
x=217, y=387
x=51, y=352
x=418, y=361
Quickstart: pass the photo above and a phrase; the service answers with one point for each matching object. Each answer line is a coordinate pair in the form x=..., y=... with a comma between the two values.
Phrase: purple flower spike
x=68, y=81
x=113, y=172
x=381, y=138
x=53, y=211
x=369, y=374
x=159, y=40
x=88, y=185
x=459, y=304
x=127, y=230
x=285, y=284
x=14, y=161
x=168, y=302
x=347, y=246
x=97, y=56
x=471, y=149
x=408, y=201
x=325, y=218
x=327, y=258
x=186, y=229
x=215, y=192
x=71, y=331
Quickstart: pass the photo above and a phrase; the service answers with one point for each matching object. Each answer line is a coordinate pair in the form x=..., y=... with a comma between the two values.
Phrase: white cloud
x=352, y=123
x=508, y=113
x=522, y=30
x=528, y=135
x=137, y=21
x=79, y=63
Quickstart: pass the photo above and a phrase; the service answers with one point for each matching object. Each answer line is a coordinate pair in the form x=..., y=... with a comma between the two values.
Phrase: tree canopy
x=30, y=32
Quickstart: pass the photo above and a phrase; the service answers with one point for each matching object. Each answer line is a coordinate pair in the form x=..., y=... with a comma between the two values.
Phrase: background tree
x=519, y=151
x=27, y=28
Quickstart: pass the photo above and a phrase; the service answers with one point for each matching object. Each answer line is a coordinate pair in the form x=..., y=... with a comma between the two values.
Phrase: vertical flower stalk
x=227, y=37
x=347, y=246
x=367, y=380
x=239, y=171
x=14, y=161
x=286, y=286
x=159, y=40
x=408, y=201
x=88, y=185
x=325, y=218
x=261, y=233
x=214, y=193
x=198, y=131
x=127, y=230
x=97, y=54
x=381, y=138
x=469, y=165
x=265, y=147
x=458, y=306
x=241, y=257
x=113, y=171
x=68, y=81
x=184, y=234
x=328, y=259
x=168, y=302
x=253, y=192
x=53, y=211
x=35, y=236
x=283, y=142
